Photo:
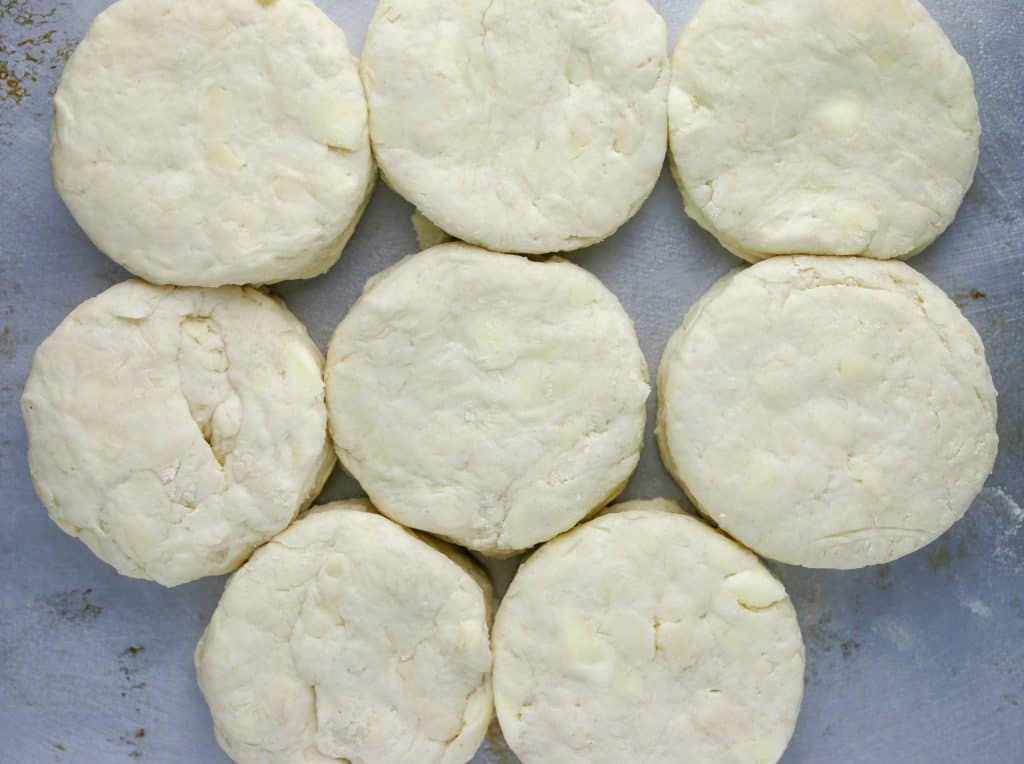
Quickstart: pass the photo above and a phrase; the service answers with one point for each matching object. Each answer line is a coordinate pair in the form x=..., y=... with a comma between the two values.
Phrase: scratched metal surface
x=918, y=662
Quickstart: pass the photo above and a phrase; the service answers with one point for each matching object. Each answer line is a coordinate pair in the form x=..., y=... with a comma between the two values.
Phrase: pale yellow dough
x=487, y=398
x=209, y=143
x=530, y=126
x=828, y=412
x=833, y=127
x=174, y=430
x=643, y=634
x=349, y=639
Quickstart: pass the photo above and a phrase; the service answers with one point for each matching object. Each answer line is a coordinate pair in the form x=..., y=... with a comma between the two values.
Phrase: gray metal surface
x=917, y=662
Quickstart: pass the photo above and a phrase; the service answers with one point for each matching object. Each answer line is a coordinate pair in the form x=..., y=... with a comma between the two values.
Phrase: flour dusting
x=898, y=634
x=1008, y=544
x=977, y=607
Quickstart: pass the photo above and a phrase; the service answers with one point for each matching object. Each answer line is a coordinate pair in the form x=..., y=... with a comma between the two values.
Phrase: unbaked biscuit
x=174, y=430
x=828, y=412
x=821, y=126
x=529, y=126
x=487, y=398
x=643, y=634
x=209, y=143
x=348, y=638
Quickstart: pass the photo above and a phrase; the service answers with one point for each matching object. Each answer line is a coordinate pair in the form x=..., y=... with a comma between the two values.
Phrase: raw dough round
x=643, y=634
x=175, y=430
x=821, y=126
x=348, y=638
x=487, y=398
x=211, y=143
x=528, y=126
x=828, y=412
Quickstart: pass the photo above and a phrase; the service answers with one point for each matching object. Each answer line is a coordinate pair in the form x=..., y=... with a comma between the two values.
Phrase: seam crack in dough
x=233, y=385
x=206, y=385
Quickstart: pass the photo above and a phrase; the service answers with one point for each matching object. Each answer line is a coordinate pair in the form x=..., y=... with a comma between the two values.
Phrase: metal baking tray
x=917, y=662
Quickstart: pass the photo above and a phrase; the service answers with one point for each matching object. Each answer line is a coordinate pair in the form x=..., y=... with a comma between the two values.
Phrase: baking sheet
x=917, y=662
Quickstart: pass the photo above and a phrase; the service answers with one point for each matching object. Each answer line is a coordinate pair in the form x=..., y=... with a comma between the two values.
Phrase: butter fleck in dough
x=349, y=639
x=210, y=143
x=828, y=412
x=427, y=234
x=174, y=430
x=821, y=127
x=641, y=634
x=487, y=398
x=530, y=126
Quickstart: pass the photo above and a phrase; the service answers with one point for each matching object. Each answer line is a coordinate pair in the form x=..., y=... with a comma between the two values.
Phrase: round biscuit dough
x=174, y=430
x=348, y=638
x=529, y=126
x=822, y=127
x=828, y=412
x=641, y=634
x=487, y=398
x=210, y=143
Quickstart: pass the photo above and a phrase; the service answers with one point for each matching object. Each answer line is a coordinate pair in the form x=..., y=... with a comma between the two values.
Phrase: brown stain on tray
x=32, y=50
x=74, y=606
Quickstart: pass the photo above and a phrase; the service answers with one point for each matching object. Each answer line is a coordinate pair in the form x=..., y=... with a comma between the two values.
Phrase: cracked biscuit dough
x=828, y=412
x=529, y=126
x=174, y=430
x=487, y=398
x=641, y=634
x=210, y=143
x=821, y=127
x=349, y=639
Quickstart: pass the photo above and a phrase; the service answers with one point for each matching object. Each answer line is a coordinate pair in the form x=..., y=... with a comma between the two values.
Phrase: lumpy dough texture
x=209, y=143
x=175, y=430
x=348, y=639
x=487, y=398
x=828, y=412
x=821, y=126
x=643, y=634
x=528, y=126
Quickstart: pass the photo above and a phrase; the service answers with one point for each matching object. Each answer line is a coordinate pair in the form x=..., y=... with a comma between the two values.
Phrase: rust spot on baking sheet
x=820, y=634
x=883, y=577
x=32, y=50
x=126, y=664
x=7, y=346
x=133, y=740
x=819, y=639
x=961, y=549
x=13, y=89
x=939, y=559
x=962, y=297
x=74, y=606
